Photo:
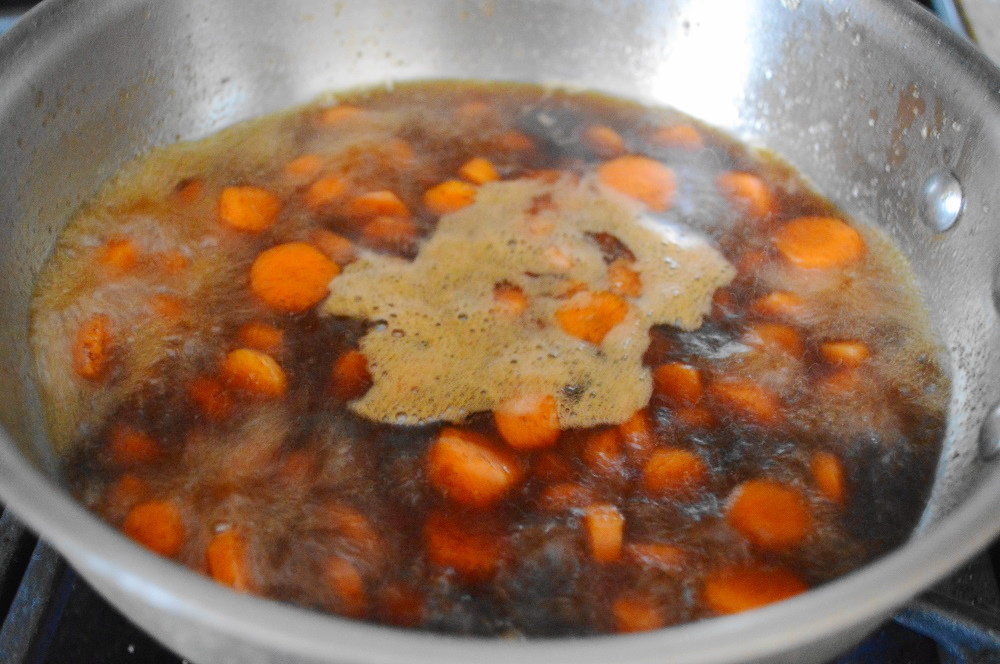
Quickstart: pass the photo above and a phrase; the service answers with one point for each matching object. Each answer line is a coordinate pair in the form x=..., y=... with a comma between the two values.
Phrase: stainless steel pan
x=892, y=117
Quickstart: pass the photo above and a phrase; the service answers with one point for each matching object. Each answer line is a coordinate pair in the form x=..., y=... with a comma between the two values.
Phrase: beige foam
x=442, y=351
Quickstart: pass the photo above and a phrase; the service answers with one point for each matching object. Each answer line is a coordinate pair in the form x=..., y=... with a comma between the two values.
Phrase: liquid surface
x=215, y=371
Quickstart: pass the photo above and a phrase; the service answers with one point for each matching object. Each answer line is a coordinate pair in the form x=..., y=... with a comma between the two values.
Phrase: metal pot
x=892, y=117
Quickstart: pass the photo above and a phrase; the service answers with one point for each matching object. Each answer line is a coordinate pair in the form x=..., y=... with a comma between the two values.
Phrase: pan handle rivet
x=941, y=201
x=989, y=435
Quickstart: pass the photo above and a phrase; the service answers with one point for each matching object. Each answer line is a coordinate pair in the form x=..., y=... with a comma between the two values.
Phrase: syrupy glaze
x=789, y=439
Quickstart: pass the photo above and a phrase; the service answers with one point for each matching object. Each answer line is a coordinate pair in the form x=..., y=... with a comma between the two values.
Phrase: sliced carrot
x=190, y=190
x=514, y=141
x=324, y=192
x=843, y=382
x=349, y=378
x=683, y=136
x=466, y=468
x=775, y=338
x=381, y=203
x=402, y=605
x=772, y=515
x=636, y=613
x=591, y=316
x=119, y=255
x=656, y=554
x=673, y=472
x=552, y=467
x=828, y=473
x=603, y=453
x=746, y=192
x=510, y=300
x=157, y=525
x=478, y=170
x=455, y=543
x=641, y=178
x=679, y=383
x=741, y=588
x=226, y=558
x=305, y=166
x=345, y=581
x=623, y=280
x=389, y=233
x=253, y=371
x=603, y=141
x=694, y=417
x=528, y=421
x=131, y=447
x=292, y=277
x=168, y=307
x=211, y=397
x=248, y=209
x=261, y=336
x=335, y=247
x=449, y=196
x=637, y=435
x=819, y=243
x=336, y=116
x=845, y=353
x=605, y=528
x=565, y=496
x=779, y=304
x=747, y=399
x=93, y=348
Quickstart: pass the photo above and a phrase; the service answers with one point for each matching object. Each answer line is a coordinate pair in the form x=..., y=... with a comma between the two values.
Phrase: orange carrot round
x=339, y=115
x=828, y=474
x=157, y=525
x=636, y=613
x=682, y=136
x=478, y=171
x=775, y=338
x=746, y=192
x=741, y=588
x=772, y=515
x=509, y=300
x=603, y=141
x=528, y=421
x=226, y=559
x=292, y=277
x=335, y=247
x=119, y=255
x=679, y=383
x=637, y=435
x=348, y=586
x=779, y=304
x=131, y=447
x=211, y=397
x=350, y=378
x=381, y=203
x=603, y=453
x=389, y=233
x=449, y=196
x=324, y=192
x=261, y=336
x=845, y=353
x=605, y=526
x=93, y=347
x=592, y=316
x=249, y=209
x=673, y=472
x=254, y=371
x=641, y=178
x=304, y=166
x=465, y=467
x=747, y=400
x=475, y=555
x=819, y=243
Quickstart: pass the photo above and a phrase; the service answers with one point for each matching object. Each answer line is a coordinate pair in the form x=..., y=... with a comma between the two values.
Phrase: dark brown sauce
x=284, y=472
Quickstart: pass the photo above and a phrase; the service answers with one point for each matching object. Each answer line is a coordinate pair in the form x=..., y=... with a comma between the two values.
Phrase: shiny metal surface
x=867, y=98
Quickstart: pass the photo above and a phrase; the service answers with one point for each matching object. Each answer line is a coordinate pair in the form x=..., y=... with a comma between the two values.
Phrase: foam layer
x=440, y=349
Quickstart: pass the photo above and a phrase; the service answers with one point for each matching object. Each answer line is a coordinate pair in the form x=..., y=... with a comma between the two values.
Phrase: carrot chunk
x=478, y=171
x=254, y=371
x=678, y=383
x=248, y=209
x=211, y=397
x=603, y=453
x=336, y=116
x=292, y=277
x=389, y=233
x=93, y=347
x=157, y=525
x=605, y=528
x=335, y=247
x=623, y=280
x=350, y=378
x=637, y=435
x=449, y=196
x=828, y=473
x=603, y=141
x=673, y=472
x=226, y=559
x=131, y=447
x=324, y=192
x=694, y=417
x=509, y=300
x=772, y=515
x=382, y=203
x=307, y=165
x=467, y=469
x=656, y=554
x=819, y=243
x=475, y=555
x=592, y=316
x=636, y=613
x=746, y=193
x=747, y=399
x=528, y=421
x=345, y=581
x=778, y=304
x=735, y=589
x=641, y=178
x=261, y=336
x=775, y=338
x=683, y=136
x=565, y=496
x=845, y=353
x=119, y=255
